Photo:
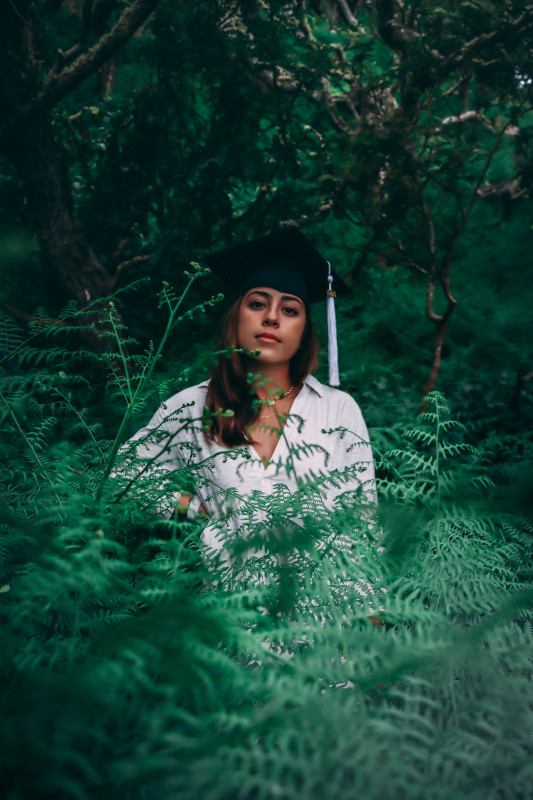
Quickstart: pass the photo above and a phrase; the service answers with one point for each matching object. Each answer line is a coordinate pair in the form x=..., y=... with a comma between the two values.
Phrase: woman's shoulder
x=191, y=397
x=332, y=396
x=335, y=408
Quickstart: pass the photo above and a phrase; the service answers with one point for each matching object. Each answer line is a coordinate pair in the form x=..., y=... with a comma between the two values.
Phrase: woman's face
x=271, y=322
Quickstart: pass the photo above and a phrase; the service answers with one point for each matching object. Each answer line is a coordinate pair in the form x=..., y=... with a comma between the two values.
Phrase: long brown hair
x=229, y=389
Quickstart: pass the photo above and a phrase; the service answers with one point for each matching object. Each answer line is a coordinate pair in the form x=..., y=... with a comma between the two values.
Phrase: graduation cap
x=286, y=261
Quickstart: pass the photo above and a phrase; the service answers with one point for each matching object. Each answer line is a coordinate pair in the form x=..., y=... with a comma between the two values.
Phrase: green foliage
x=135, y=666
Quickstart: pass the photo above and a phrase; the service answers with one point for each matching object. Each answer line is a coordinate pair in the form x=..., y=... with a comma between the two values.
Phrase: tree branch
x=329, y=102
x=511, y=187
x=467, y=116
x=348, y=14
x=516, y=28
x=118, y=252
x=409, y=262
x=44, y=322
x=393, y=33
x=126, y=265
x=64, y=83
x=63, y=57
x=430, y=293
x=475, y=194
x=19, y=15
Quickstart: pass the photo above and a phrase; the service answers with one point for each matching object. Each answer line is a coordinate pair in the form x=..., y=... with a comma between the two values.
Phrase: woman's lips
x=267, y=337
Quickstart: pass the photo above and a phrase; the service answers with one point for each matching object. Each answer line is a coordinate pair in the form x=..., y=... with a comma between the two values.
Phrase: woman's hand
x=183, y=507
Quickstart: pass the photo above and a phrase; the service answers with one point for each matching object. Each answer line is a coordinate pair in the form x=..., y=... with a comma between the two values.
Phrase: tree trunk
x=431, y=382
x=29, y=142
x=41, y=163
x=437, y=356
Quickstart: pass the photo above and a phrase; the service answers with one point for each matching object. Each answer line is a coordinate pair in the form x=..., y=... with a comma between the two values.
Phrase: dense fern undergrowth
x=134, y=667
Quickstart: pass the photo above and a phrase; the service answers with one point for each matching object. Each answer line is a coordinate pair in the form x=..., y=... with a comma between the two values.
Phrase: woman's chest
x=277, y=455
x=265, y=442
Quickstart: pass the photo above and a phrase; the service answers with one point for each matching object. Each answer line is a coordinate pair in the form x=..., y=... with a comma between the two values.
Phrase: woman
x=269, y=445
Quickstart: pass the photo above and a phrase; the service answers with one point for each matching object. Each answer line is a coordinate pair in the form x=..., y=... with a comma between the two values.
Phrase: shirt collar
x=310, y=381
x=315, y=385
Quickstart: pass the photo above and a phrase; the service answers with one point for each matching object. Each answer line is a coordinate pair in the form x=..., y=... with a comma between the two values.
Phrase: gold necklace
x=271, y=401
x=266, y=416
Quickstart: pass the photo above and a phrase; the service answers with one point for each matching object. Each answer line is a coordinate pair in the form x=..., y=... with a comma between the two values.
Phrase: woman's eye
x=256, y=304
x=291, y=311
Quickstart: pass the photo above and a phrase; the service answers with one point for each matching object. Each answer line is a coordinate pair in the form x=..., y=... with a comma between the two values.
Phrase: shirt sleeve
x=151, y=464
x=350, y=462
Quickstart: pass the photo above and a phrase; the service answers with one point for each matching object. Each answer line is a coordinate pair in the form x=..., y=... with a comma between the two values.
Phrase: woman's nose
x=271, y=316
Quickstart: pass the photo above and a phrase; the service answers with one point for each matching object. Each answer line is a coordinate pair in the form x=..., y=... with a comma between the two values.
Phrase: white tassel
x=333, y=351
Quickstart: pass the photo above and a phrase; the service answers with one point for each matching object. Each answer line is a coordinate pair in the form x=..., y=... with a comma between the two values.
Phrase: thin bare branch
x=475, y=195
x=410, y=262
x=460, y=85
x=430, y=294
x=126, y=265
x=19, y=15
x=118, y=252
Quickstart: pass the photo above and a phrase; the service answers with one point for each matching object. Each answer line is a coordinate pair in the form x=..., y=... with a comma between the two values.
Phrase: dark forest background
x=137, y=137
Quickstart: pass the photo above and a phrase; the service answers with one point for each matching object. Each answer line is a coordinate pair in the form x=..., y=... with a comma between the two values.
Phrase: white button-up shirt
x=324, y=436
x=324, y=444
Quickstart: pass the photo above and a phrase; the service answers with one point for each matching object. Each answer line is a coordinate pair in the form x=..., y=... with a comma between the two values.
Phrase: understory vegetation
x=136, y=668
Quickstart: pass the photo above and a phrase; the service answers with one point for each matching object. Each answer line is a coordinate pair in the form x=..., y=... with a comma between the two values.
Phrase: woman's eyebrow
x=284, y=297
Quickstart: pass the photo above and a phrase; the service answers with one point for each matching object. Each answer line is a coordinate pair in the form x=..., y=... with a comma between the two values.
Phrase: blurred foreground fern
x=131, y=670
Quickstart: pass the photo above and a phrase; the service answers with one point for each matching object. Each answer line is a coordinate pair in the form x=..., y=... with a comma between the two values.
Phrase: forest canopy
x=396, y=134
x=136, y=137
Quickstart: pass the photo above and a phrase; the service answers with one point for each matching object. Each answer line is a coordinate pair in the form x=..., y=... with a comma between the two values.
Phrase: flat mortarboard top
x=284, y=260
